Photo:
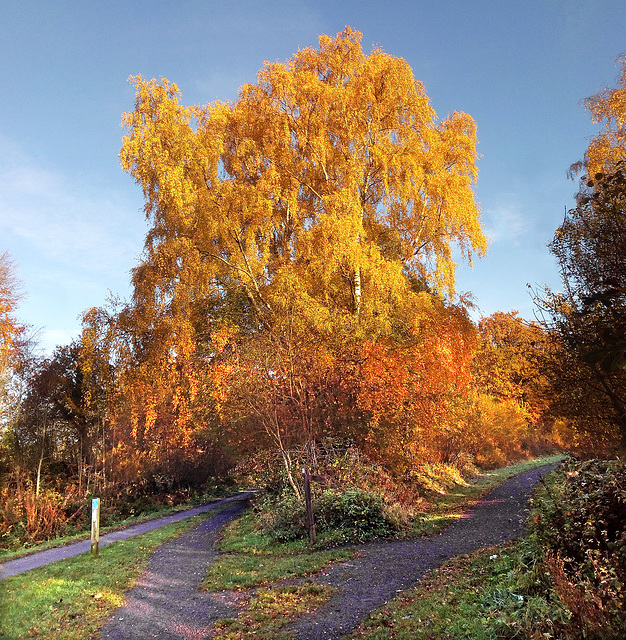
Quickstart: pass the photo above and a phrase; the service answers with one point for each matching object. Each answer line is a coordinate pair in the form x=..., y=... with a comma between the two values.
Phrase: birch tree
x=313, y=210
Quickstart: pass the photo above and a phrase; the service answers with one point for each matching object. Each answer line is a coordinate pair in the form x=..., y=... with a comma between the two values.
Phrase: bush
x=27, y=518
x=353, y=515
x=581, y=525
x=344, y=466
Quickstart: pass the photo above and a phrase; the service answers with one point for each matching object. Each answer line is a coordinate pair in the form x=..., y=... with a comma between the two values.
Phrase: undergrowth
x=358, y=500
x=28, y=519
x=579, y=528
x=564, y=580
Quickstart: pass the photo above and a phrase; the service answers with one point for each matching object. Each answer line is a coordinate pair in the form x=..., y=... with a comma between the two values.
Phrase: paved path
x=166, y=602
x=384, y=569
x=40, y=558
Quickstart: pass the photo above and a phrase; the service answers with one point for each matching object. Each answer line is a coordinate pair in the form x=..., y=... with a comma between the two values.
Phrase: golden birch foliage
x=608, y=147
x=332, y=170
x=304, y=213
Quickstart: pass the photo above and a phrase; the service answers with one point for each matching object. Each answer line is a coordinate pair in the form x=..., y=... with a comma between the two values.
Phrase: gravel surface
x=386, y=568
x=166, y=602
x=40, y=558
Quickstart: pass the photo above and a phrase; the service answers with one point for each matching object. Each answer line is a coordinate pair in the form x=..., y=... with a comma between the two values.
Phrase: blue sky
x=73, y=221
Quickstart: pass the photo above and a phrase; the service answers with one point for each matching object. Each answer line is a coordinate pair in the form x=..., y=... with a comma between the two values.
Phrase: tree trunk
x=357, y=292
x=292, y=482
x=43, y=446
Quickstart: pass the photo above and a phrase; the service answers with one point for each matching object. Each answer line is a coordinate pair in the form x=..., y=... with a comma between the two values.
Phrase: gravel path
x=40, y=558
x=386, y=568
x=166, y=602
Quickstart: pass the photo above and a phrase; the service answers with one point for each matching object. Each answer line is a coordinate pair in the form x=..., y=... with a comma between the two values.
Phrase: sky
x=73, y=221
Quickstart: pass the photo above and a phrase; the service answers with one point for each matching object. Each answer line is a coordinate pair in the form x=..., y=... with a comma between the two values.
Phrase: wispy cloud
x=65, y=223
x=505, y=223
x=73, y=241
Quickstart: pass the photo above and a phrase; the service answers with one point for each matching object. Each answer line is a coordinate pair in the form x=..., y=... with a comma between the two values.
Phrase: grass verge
x=474, y=596
x=270, y=610
x=250, y=558
x=71, y=599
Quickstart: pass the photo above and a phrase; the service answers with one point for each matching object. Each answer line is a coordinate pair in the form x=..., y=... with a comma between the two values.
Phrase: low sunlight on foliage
x=296, y=287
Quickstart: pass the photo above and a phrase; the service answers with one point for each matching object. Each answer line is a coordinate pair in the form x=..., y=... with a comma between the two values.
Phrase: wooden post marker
x=310, y=522
x=95, y=526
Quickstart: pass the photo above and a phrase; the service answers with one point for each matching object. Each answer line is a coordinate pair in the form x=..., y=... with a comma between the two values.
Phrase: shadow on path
x=386, y=568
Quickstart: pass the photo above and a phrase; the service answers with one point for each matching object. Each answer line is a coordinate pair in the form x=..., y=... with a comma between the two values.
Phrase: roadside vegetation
x=71, y=599
x=19, y=539
x=565, y=580
x=358, y=500
x=259, y=549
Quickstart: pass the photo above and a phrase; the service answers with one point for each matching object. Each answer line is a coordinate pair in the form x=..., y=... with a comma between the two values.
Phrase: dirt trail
x=166, y=602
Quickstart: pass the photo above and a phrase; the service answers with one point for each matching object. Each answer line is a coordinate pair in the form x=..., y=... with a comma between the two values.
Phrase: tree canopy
x=608, y=147
x=590, y=315
x=330, y=179
x=294, y=233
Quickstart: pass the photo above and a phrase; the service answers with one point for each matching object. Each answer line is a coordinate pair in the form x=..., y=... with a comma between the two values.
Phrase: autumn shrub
x=358, y=514
x=351, y=468
x=353, y=515
x=354, y=498
x=341, y=464
x=27, y=517
x=580, y=524
x=437, y=477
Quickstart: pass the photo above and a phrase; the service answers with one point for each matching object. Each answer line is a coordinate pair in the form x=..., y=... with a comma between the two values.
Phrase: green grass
x=251, y=558
x=270, y=610
x=471, y=597
x=71, y=599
